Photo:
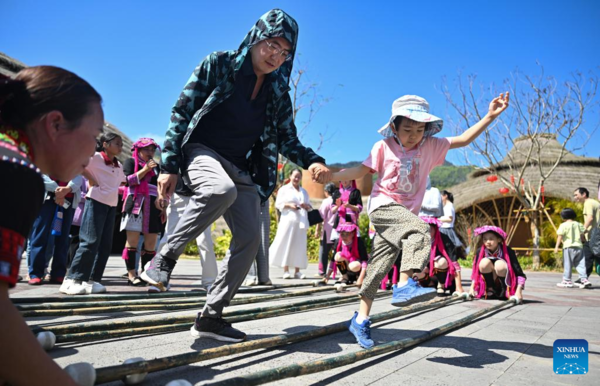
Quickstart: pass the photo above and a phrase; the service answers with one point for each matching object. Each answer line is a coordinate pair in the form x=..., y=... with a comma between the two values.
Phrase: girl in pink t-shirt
x=104, y=174
x=402, y=161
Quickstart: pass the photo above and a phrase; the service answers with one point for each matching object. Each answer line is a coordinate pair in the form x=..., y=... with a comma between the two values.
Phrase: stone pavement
x=510, y=347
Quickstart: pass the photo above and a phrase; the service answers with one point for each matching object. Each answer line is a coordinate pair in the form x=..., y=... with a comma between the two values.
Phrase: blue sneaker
x=411, y=293
x=362, y=332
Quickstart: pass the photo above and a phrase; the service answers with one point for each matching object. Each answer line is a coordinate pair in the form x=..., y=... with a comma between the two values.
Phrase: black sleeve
x=22, y=198
x=355, y=198
x=362, y=251
x=129, y=167
x=514, y=262
x=22, y=194
x=449, y=246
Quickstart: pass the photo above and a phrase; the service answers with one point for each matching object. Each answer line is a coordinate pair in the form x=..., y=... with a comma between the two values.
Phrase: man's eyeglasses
x=277, y=51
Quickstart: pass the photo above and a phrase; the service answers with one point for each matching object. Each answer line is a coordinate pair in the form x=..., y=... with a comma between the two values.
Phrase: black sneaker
x=578, y=281
x=216, y=328
x=158, y=272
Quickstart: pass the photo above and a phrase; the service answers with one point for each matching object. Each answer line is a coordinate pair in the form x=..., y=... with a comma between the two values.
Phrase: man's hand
x=320, y=173
x=166, y=187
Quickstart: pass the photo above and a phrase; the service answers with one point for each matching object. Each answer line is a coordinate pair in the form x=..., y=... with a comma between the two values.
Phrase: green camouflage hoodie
x=213, y=81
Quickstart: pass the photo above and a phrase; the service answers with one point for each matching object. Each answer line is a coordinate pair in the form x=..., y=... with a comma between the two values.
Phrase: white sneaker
x=92, y=287
x=64, y=287
x=585, y=283
x=251, y=282
x=286, y=275
x=76, y=288
x=299, y=275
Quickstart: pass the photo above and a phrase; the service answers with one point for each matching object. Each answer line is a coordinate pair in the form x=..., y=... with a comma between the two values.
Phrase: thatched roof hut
x=10, y=67
x=480, y=200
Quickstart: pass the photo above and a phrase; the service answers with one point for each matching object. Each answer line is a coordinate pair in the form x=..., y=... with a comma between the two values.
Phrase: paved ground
x=510, y=347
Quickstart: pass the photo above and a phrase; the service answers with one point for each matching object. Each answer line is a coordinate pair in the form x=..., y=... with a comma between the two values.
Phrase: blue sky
x=362, y=55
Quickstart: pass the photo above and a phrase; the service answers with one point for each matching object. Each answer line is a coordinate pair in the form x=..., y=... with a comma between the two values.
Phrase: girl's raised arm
x=497, y=107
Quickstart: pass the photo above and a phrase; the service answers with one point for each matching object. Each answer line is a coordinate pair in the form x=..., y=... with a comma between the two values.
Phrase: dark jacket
x=213, y=81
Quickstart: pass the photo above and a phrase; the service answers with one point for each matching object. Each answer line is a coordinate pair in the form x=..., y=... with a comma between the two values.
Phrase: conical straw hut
x=478, y=200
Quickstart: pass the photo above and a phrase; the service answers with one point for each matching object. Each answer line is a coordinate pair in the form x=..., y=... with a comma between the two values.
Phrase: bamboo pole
x=321, y=365
x=169, y=320
x=163, y=328
x=117, y=372
x=550, y=218
x=139, y=296
x=508, y=214
x=487, y=216
x=94, y=309
x=497, y=213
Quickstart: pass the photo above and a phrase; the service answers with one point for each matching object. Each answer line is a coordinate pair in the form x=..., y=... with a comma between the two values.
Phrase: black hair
x=583, y=191
x=398, y=121
x=568, y=214
x=330, y=188
x=36, y=91
x=449, y=195
x=105, y=137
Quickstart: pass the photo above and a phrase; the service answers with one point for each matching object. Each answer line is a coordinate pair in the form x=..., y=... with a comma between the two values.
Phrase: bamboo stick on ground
x=114, y=373
x=171, y=306
x=138, y=296
x=117, y=325
x=321, y=365
x=182, y=326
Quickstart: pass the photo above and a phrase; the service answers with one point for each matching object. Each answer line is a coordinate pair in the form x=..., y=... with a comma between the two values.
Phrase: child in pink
x=443, y=271
x=402, y=161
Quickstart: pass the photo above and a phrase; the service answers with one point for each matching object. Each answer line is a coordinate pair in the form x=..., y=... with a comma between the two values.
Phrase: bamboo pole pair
x=90, y=332
x=297, y=369
x=117, y=372
x=90, y=308
x=140, y=296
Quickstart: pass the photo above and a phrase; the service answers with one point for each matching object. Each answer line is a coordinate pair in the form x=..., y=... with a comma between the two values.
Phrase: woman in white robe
x=289, y=247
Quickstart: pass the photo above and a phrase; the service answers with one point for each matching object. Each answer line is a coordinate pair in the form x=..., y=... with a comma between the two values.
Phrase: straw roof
x=10, y=67
x=573, y=172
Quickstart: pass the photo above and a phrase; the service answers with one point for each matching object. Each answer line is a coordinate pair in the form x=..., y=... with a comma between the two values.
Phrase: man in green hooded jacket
x=232, y=119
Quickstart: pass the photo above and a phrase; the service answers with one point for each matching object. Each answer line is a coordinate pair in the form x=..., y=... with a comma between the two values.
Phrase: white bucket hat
x=416, y=108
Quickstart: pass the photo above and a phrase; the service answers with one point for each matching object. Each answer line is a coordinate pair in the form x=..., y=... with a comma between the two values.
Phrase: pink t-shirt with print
x=108, y=178
x=402, y=176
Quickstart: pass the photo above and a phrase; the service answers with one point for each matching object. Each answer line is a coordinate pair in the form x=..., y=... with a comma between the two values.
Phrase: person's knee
x=500, y=268
x=225, y=191
x=441, y=263
x=486, y=266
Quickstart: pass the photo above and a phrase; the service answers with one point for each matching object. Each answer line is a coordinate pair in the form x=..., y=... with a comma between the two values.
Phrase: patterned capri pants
x=397, y=229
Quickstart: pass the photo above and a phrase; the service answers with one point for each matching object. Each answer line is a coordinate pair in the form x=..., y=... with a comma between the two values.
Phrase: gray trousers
x=573, y=257
x=259, y=271
x=220, y=189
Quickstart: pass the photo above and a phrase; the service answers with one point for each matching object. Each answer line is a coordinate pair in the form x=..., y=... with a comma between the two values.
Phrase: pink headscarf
x=476, y=277
x=350, y=254
x=143, y=188
x=438, y=246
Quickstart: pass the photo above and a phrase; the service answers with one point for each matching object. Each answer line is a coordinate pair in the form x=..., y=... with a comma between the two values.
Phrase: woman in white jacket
x=289, y=247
